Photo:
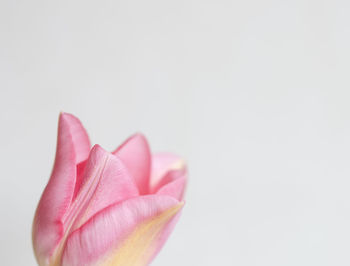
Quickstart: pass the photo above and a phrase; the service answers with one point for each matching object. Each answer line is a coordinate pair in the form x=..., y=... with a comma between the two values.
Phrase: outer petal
x=126, y=234
x=135, y=153
x=79, y=136
x=72, y=147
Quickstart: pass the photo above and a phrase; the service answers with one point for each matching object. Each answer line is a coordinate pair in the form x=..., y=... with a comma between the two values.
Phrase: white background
x=254, y=94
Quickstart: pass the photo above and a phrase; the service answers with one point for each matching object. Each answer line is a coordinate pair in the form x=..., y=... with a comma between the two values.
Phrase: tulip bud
x=102, y=208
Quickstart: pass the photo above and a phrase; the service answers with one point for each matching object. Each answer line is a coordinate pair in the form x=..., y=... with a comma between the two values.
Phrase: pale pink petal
x=173, y=184
x=72, y=146
x=106, y=181
x=162, y=163
x=130, y=233
x=135, y=153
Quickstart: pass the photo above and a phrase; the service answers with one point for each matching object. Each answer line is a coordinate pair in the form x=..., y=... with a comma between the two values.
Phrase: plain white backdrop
x=254, y=94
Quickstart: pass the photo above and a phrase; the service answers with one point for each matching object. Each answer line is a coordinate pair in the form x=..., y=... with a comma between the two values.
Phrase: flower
x=102, y=208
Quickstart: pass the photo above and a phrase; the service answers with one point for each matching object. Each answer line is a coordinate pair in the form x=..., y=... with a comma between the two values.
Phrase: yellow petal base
x=137, y=249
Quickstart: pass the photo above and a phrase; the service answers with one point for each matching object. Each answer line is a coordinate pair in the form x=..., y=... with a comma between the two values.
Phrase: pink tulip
x=102, y=208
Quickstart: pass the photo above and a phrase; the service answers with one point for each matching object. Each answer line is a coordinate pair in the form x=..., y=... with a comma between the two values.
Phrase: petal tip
x=66, y=115
x=138, y=136
x=97, y=147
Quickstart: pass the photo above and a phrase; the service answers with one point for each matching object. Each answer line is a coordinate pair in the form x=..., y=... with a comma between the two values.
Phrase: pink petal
x=79, y=178
x=162, y=163
x=106, y=181
x=79, y=136
x=173, y=184
x=72, y=147
x=130, y=233
x=135, y=153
